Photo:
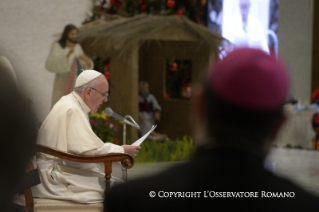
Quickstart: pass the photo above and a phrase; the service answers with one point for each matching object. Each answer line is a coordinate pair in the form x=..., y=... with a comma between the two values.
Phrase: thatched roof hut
x=122, y=34
x=137, y=48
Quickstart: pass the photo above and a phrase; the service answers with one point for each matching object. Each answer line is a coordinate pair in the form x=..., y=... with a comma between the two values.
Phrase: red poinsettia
x=170, y=3
x=143, y=7
x=315, y=94
x=107, y=75
x=173, y=67
x=112, y=2
x=107, y=72
x=179, y=12
x=166, y=95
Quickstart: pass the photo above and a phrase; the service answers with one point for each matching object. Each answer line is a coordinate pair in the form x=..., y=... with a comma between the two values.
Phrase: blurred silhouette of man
x=17, y=136
x=240, y=108
x=246, y=30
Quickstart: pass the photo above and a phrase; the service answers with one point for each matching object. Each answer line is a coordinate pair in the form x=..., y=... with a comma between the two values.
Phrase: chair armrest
x=126, y=160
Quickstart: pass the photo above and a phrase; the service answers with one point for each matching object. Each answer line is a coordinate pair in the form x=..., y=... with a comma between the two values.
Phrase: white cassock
x=67, y=128
x=252, y=35
x=57, y=62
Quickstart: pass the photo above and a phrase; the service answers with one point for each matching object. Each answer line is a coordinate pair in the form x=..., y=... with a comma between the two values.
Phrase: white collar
x=84, y=106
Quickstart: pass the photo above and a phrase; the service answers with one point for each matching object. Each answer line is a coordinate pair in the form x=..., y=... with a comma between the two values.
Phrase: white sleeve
x=155, y=103
x=83, y=64
x=79, y=134
x=105, y=149
x=259, y=30
x=264, y=45
x=263, y=42
x=57, y=60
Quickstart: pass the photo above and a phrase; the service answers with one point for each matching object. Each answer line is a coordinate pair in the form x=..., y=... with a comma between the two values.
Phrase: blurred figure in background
x=215, y=19
x=66, y=59
x=149, y=111
x=17, y=135
x=315, y=120
x=240, y=108
x=246, y=30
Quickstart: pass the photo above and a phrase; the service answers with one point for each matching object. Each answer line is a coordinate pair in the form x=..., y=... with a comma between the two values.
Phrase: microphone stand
x=124, y=170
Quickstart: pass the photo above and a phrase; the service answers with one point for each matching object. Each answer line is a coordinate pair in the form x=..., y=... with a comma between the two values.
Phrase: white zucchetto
x=86, y=76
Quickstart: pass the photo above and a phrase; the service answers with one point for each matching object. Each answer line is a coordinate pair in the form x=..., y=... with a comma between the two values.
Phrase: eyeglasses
x=105, y=95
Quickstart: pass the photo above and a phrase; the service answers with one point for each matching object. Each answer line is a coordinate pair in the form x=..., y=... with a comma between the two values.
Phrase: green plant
x=104, y=127
x=169, y=150
x=178, y=79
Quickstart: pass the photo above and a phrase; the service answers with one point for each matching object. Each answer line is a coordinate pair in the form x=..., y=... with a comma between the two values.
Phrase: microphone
x=109, y=112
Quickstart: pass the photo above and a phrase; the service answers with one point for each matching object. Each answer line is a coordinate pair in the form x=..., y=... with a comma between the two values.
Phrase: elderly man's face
x=98, y=94
x=244, y=6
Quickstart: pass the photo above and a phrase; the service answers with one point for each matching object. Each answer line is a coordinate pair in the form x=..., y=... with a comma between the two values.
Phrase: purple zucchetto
x=251, y=79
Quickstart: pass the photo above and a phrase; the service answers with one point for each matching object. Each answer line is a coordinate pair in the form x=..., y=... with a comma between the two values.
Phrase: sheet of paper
x=140, y=140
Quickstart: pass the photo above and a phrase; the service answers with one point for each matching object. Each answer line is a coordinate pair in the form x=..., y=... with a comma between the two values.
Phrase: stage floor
x=300, y=166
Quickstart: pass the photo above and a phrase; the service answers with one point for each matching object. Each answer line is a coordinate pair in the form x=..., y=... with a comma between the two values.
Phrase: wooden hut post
x=124, y=96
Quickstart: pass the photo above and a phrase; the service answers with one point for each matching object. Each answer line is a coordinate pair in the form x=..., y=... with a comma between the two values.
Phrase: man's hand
x=131, y=150
x=83, y=57
x=70, y=52
x=140, y=116
x=157, y=116
x=86, y=60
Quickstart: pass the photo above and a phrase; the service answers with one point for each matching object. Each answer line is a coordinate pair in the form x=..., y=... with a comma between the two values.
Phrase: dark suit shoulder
x=211, y=181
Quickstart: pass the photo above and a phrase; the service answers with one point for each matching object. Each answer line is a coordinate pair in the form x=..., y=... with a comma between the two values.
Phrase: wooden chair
x=52, y=205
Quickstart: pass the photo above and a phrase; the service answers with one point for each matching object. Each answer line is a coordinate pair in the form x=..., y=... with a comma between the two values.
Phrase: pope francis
x=67, y=128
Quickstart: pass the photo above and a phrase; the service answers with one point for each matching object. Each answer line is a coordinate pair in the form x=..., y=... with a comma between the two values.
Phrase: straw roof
x=121, y=35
